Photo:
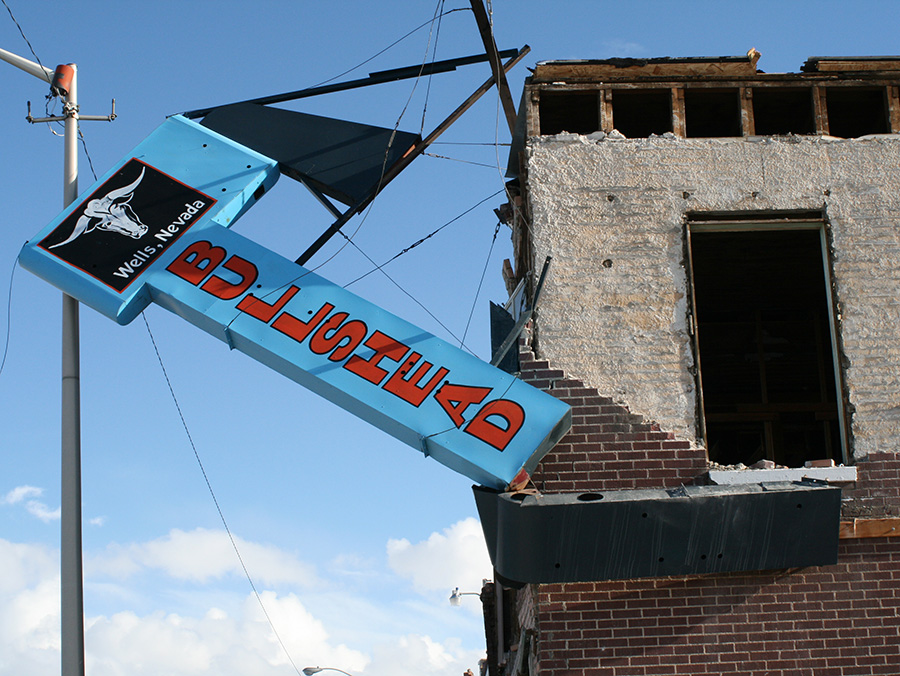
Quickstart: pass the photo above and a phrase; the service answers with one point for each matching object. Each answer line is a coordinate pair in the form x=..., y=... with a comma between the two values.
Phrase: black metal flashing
x=572, y=537
x=343, y=160
x=380, y=77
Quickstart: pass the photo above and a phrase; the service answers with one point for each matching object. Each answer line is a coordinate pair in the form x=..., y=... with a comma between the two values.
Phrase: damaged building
x=721, y=310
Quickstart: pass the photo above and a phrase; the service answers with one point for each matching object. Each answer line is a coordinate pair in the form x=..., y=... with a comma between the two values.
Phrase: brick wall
x=877, y=491
x=836, y=620
x=608, y=448
x=840, y=620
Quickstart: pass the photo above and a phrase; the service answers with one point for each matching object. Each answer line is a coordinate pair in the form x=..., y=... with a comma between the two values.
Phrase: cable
x=387, y=151
x=12, y=276
x=456, y=159
x=468, y=143
x=407, y=293
x=481, y=281
x=213, y=494
x=438, y=16
x=393, y=44
x=426, y=237
x=86, y=153
x=27, y=42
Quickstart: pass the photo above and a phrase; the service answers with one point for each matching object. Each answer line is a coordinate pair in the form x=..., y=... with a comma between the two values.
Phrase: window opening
x=765, y=344
x=712, y=112
x=574, y=112
x=637, y=113
x=856, y=111
x=783, y=110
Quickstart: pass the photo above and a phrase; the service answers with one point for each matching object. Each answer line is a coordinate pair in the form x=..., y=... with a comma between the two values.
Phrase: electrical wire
x=87, y=154
x=423, y=239
x=408, y=294
x=387, y=150
x=213, y=494
x=393, y=44
x=456, y=159
x=480, y=283
x=27, y=42
x=49, y=97
x=438, y=16
x=12, y=276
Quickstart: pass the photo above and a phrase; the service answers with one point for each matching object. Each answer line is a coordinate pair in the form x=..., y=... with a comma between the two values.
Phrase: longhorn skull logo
x=111, y=212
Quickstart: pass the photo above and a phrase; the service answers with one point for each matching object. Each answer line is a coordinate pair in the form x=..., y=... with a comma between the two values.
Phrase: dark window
x=575, y=112
x=855, y=111
x=712, y=112
x=783, y=110
x=637, y=113
x=764, y=338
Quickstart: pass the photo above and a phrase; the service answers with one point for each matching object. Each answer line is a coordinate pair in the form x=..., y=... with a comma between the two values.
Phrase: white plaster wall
x=624, y=330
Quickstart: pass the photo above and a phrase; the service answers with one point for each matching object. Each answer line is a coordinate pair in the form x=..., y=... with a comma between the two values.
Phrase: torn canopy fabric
x=343, y=160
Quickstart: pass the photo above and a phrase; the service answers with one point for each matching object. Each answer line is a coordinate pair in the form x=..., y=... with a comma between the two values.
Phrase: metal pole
x=71, y=577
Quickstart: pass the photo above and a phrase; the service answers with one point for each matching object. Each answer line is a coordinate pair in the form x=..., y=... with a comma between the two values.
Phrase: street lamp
x=309, y=671
x=456, y=596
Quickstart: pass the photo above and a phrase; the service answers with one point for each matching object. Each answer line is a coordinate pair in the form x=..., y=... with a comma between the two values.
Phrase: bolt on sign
x=154, y=229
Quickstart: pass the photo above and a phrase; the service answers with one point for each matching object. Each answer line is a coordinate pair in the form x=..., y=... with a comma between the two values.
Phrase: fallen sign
x=155, y=229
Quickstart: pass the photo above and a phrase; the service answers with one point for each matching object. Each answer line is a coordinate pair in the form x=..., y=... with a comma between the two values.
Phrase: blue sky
x=353, y=539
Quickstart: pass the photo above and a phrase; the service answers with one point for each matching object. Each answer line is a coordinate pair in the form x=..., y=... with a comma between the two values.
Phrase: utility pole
x=71, y=577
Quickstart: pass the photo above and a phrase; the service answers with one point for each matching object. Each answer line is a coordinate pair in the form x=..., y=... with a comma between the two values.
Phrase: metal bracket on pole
x=72, y=111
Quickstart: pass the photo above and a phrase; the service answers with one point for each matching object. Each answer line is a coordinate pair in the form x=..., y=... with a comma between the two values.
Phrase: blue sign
x=155, y=229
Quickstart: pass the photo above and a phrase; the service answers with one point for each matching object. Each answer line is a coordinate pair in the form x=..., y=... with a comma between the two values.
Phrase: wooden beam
x=629, y=69
x=607, y=123
x=490, y=47
x=870, y=528
x=748, y=122
x=894, y=108
x=678, y=126
x=820, y=110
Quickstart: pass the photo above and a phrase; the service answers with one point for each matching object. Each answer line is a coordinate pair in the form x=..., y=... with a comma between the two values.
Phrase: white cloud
x=413, y=654
x=26, y=495
x=216, y=632
x=215, y=642
x=19, y=493
x=29, y=609
x=457, y=557
x=201, y=555
x=24, y=565
x=42, y=512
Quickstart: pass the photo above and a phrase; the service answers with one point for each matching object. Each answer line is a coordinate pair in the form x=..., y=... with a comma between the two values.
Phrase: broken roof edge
x=819, y=64
x=628, y=67
x=619, y=68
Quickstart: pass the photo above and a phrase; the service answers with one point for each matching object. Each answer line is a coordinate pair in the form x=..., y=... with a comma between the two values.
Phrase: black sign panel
x=126, y=224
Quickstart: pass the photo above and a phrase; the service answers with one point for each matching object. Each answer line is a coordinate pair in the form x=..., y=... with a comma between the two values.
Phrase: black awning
x=582, y=537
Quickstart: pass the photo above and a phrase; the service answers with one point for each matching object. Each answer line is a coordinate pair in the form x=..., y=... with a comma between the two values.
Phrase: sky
x=352, y=540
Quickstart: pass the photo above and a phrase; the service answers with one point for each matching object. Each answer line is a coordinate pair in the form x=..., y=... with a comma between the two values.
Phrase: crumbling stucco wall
x=614, y=310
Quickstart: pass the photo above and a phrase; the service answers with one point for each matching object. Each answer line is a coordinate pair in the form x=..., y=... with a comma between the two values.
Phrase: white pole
x=71, y=577
x=29, y=67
